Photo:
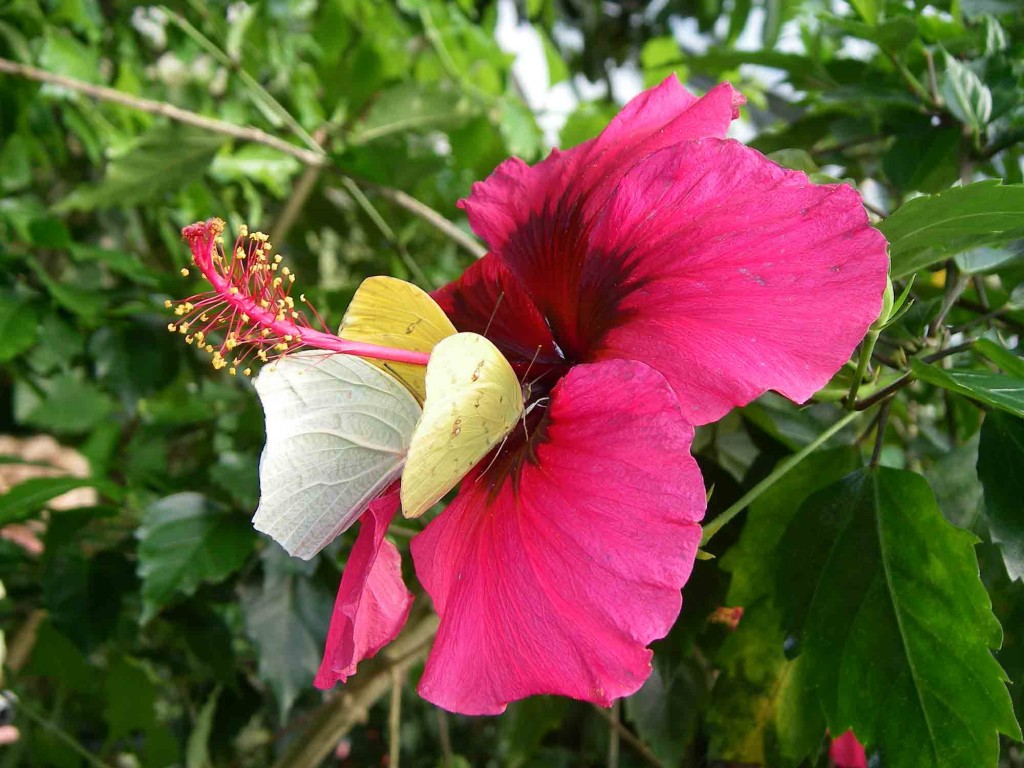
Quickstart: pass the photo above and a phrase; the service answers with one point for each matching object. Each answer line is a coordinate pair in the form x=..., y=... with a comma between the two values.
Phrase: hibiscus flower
x=642, y=283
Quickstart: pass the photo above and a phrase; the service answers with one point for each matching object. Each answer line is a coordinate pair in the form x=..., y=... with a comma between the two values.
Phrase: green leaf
x=131, y=696
x=932, y=228
x=993, y=389
x=186, y=540
x=29, y=496
x=966, y=96
x=287, y=620
x=519, y=130
x=1000, y=458
x=162, y=160
x=270, y=167
x=868, y=10
x=19, y=326
x=893, y=625
x=70, y=406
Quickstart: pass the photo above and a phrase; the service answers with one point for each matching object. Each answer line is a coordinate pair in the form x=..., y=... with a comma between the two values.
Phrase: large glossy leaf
x=883, y=600
x=931, y=228
x=996, y=389
x=186, y=540
x=1000, y=463
x=287, y=619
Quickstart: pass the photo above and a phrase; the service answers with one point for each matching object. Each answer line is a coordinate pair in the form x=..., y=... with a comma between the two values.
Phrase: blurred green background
x=146, y=623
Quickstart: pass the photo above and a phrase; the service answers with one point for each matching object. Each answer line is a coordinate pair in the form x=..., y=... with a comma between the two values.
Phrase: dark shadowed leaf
x=895, y=630
x=19, y=323
x=287, y=619
x=186, y=540
x=1000, y=460
x=760, y=709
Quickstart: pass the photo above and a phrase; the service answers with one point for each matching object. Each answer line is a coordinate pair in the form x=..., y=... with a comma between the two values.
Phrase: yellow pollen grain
x=172, y=327
x=243, y=231
x=247, y=371
x=184, y=272
x=291, y=278
x=168, y=304
x=232, y=371
x=285, y=271
x=245, y=318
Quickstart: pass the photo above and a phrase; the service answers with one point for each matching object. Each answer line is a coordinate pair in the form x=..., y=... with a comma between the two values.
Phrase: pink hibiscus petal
x=847, y=752
x=515, y=193
x=373, y=602
x=735, y=275
x=555, y=581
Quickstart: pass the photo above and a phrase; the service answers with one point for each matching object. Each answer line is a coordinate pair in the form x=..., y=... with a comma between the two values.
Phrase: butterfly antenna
x=493, y=313
x=494, y=458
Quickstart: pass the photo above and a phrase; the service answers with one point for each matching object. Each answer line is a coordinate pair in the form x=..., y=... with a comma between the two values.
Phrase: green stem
x=777, y=474
x=867, y=348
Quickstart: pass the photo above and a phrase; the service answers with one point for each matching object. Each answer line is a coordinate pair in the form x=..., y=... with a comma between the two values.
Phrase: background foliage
x=155, y=628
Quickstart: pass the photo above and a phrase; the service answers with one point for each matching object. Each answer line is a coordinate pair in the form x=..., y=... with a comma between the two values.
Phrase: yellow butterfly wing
x=394, y=313
x=473, y=401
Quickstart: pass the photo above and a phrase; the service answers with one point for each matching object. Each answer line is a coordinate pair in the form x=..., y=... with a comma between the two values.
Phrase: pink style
x=650, y=280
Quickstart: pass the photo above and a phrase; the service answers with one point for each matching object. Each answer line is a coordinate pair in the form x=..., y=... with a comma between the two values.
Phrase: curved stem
x=867, y=348
x=777, y=474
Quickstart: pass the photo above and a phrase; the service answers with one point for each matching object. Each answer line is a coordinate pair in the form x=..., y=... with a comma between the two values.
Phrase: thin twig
x=883, y=420
x=300, y=194
x=444, y=738
x=628, y=736
x=908, y=378
x=395, y=718
x=69, y=740
x=414, y=206
x=385, y=229
x=164, y=110
x=338, y=716
x=255, y=135
x=614, y=735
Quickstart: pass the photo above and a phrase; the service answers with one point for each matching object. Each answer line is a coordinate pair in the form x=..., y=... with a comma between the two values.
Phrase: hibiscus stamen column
x=251, y=305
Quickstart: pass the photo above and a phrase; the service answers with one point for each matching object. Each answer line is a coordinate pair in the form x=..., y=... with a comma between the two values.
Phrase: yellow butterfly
x=394, y=313
x=473, y=400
